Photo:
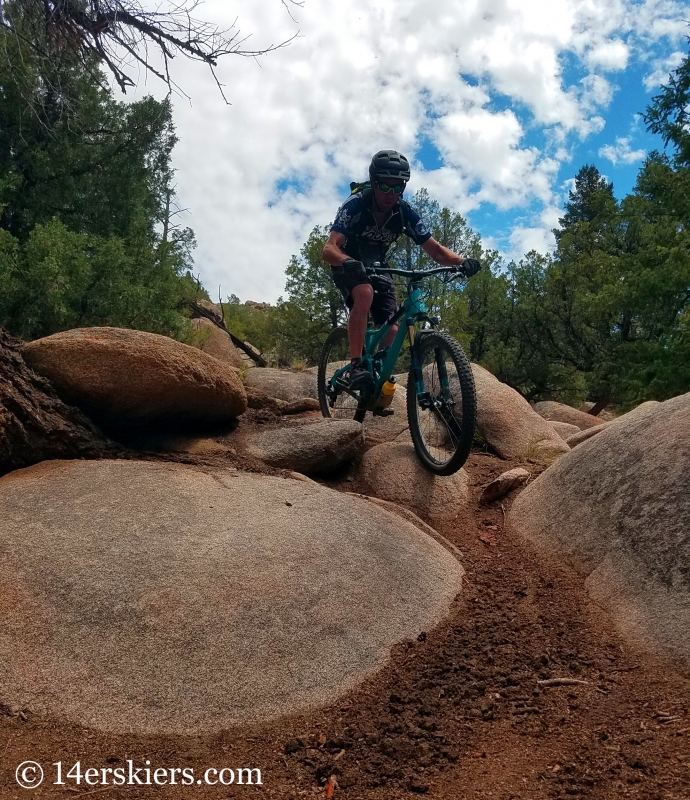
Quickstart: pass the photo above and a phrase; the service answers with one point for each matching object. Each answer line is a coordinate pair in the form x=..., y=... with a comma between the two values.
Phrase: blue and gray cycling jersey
x=365, y=240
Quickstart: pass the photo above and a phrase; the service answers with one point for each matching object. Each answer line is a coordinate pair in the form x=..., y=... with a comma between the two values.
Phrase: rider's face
x=386, y=200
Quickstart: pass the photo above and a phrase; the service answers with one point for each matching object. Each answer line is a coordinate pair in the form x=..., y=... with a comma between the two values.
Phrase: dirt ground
x=458, y=713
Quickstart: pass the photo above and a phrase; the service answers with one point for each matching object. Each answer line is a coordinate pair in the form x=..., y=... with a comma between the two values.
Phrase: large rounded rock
x=131, y=377
x=565, y=430
x=314, y=449
x=618, y=507
x=282, y=383
x=559, y=412
x=158, y=598
x=392, y=471
x=213, y=340
x=510, y=425
x=35, y=424
x=587, y=433
x=212, y=309
x=581, y=436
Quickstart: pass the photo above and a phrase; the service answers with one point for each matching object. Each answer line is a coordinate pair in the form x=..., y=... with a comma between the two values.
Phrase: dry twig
x=551, y=682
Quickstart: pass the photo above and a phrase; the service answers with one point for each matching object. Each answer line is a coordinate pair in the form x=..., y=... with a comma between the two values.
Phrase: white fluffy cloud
x=474, y=79
x=621, y=152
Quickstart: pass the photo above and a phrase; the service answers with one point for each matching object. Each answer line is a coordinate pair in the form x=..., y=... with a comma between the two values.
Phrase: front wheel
x=441, y=402
x=335, y=399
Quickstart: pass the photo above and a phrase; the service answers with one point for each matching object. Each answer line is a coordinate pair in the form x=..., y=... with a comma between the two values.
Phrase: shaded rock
x=212, y=340
x=510, y=425
x=392, y=471
x=256, y=398
x=299, y=406
x=282, y=383
x=161, y=599
x=132, y=378
x=559, y=412
x=564, y=429
x=618, y=507
x=35, y=424
x=314, y=449
x=503, y=484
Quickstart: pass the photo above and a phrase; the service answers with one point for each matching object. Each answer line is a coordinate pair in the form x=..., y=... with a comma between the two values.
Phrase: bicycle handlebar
x=412, y=273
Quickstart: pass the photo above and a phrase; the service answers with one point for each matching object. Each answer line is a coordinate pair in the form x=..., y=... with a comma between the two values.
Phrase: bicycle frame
x=413, y=310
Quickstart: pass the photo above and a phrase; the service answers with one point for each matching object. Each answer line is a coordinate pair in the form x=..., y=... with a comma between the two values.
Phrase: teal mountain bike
x=441, y=399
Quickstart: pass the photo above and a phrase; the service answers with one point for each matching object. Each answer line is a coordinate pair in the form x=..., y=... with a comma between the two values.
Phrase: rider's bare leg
x=387, y=340
x=357, y=325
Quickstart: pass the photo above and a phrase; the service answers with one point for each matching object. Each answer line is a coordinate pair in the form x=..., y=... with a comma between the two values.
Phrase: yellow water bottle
x=387, y=392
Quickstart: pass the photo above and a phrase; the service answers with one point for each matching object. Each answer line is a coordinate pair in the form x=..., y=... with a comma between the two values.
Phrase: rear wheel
x=336, y=401
x=442, y=411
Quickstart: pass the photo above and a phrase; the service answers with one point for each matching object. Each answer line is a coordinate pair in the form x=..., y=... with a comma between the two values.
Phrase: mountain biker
x=365, y=227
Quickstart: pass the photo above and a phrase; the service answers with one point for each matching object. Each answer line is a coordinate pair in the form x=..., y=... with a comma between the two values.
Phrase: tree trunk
x=35, y=425
x=600, y=405
x=200, y=311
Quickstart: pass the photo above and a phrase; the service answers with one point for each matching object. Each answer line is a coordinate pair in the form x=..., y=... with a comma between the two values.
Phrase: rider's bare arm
x=441, y=255
x=333, y=253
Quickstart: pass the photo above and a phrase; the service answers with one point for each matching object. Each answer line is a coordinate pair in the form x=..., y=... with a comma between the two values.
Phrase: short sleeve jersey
x=364, y=239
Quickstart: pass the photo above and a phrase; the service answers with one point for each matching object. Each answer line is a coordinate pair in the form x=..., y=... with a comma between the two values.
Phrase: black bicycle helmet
x=389, y=164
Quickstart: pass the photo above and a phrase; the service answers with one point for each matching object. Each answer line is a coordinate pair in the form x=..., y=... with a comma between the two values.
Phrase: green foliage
x=669, y=113
x=85, y=201
x=60, y=279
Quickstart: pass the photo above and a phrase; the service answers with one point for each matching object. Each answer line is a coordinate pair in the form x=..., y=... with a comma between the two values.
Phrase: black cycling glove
x=470, y=266
x=353, y=267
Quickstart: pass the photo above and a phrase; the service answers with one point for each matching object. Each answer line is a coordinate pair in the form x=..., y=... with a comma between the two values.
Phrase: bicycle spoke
x=336, y=400
x=440, y=430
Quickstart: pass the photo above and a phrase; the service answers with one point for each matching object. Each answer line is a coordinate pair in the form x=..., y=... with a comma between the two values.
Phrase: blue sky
x=497, y=103
x=623, y=120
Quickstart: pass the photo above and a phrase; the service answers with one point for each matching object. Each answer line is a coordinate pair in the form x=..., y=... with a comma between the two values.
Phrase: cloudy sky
x=497, y=103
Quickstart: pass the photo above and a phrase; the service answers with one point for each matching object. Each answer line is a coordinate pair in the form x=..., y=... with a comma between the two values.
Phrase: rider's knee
x=363, y=295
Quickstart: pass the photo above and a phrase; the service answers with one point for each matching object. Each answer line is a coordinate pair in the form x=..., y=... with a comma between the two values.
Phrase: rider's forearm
x=447, y=258
x=333, y=255
x=441, y=254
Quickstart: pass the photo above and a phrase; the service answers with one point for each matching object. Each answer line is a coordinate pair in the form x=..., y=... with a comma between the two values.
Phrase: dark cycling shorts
x=385, y=302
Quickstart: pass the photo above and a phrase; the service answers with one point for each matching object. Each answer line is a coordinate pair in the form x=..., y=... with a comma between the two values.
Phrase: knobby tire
x=346, y=406
x=443, y=436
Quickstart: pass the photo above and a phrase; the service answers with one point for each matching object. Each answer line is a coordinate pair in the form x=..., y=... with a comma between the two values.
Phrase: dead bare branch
x=117, y=34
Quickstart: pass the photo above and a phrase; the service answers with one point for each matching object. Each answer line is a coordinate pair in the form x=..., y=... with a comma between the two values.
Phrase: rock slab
x=144, y=598
x=392, y=471
x=213, y=340
x=135, y=378
x=559, y=412
x=510, y=425
x=35, y=424
x=504, y=484
x=618, y=508
x=314, y=449
x=282, y=383
x=564, y=429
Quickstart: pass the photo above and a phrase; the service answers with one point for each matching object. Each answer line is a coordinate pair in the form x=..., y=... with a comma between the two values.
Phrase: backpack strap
x=400, y=222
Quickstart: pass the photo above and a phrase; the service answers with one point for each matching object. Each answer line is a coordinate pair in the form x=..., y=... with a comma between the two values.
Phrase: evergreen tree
x=84, y=201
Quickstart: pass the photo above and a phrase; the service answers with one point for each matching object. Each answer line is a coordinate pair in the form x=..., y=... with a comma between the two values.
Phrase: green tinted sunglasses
x=388, y=187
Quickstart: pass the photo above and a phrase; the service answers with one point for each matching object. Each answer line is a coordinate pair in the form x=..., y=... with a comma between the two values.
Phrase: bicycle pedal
x=383, y=412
